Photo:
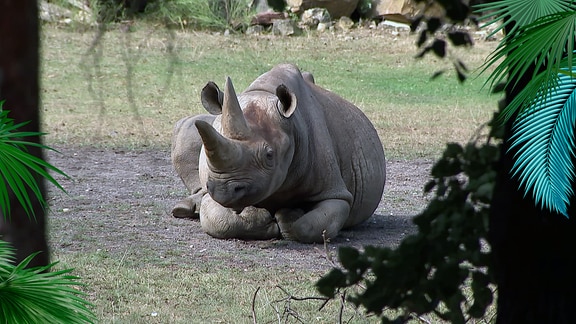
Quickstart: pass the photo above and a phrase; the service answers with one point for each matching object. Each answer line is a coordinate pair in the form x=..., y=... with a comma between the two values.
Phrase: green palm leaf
x=547, y=43
x=18, y=167
x=522, y=12
x=36, y=295
x=545, y=136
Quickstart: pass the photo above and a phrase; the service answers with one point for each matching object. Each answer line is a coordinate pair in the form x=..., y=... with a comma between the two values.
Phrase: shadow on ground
x=119, y=202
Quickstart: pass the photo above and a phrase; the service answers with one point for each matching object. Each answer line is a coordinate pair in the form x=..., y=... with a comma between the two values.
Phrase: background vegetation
x=377, y=71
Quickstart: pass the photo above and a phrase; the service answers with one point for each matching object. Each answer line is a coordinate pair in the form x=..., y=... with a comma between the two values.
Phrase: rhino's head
x=248, y=151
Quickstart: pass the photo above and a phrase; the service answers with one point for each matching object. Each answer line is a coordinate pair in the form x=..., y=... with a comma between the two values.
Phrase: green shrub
x=202, y=14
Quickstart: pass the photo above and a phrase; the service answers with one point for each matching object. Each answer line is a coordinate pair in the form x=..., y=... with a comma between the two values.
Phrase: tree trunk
x=534, y=250
x=19, y=85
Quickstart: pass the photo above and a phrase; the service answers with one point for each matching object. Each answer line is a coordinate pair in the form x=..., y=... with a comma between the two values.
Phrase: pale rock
x=336, y=8
x=344, y=23
x=285, y=27
x=315, y=16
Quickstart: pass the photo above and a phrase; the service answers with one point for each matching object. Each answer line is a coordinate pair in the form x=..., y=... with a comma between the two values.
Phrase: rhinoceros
x=284, y=159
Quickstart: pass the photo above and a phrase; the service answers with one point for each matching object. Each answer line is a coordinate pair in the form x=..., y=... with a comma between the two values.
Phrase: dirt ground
x=120, y=202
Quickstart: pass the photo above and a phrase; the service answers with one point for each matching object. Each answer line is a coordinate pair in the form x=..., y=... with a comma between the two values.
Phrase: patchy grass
x=377, y=71
x=129, y=291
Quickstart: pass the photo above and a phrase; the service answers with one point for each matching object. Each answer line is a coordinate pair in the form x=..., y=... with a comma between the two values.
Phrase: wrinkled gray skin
x=286, y=158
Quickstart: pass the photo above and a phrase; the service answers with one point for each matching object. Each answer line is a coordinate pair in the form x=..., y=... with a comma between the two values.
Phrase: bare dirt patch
x=120, y=201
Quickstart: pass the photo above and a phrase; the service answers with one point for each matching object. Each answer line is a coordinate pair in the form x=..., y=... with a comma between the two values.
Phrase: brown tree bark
x=19, y=87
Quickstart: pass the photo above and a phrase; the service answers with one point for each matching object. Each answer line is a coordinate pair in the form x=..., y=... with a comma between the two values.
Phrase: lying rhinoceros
x=285, y=158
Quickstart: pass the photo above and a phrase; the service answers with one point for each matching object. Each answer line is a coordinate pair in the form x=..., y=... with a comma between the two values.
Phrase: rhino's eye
x=268, y=154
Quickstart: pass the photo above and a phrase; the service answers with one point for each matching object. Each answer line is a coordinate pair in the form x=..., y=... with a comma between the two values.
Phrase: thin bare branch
x=342, y=303
x=254, y=306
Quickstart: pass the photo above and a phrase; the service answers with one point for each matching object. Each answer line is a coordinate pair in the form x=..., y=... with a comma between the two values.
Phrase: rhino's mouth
x=235, y=195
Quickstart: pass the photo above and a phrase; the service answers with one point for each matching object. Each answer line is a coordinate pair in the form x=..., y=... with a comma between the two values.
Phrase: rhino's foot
x=321, y=222
x=187, y=208
x=286, y=218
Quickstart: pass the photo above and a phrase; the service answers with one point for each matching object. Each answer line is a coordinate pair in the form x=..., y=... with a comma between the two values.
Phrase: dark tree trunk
x=534, y=250
x=534, y=256
x=19, y=85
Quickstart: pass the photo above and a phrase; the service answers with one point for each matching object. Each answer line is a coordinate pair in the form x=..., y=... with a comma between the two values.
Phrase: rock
x=324, y=26
x=336, y=8
x=52, y=12
x=80, y=13
x=386, y=24
x=254, y=30
x=285, y=27
x=315, y=16
x=260, y=6
x=407, y=8
x=267, y=5
x=344, y=23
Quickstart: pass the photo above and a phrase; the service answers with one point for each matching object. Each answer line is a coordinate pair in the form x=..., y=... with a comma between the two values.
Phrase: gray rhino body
x=285, y=158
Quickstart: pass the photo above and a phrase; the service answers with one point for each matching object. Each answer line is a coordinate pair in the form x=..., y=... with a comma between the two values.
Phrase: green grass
x=414, y=115
x=126, y=290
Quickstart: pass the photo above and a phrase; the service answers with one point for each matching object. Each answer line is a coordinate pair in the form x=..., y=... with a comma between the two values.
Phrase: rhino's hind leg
x=251, y=224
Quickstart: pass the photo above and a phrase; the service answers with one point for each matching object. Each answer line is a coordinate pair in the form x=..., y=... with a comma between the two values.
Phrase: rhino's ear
x=212, y=98
x=287, y=101
x=308, y=77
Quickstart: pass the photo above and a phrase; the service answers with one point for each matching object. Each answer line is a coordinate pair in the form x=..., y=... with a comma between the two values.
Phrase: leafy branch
x=429, y=270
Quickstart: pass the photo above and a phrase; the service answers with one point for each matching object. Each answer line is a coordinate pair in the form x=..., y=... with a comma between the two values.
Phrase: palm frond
x=36, y=295
x=18, y=167
x=544, y=44
x=519, y=12
x=545, y=136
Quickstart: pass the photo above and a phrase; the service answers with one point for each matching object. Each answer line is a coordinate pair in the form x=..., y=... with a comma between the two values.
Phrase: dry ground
x=120, y=202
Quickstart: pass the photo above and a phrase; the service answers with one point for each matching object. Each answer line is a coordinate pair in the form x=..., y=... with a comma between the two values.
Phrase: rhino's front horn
x=220, y=151
x=233, y=122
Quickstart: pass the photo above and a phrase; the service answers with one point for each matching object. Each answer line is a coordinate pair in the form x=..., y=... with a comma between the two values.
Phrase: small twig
x=327, y=251
x=292, y=297
x=342, y=303
x=253, y=306
x=420, y=318
x=324, y=304
x=288, y=311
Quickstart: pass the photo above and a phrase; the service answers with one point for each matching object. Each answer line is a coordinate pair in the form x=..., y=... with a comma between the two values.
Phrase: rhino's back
x=348, y=136
x=359, y=151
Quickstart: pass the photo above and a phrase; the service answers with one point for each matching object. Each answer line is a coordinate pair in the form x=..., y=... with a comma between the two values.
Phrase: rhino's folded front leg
x=250, y=224
x=324, y=220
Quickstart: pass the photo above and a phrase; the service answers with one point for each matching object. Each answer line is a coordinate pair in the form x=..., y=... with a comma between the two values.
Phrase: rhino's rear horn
x=287, y=101
x=220, y=151
x=233, y=122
